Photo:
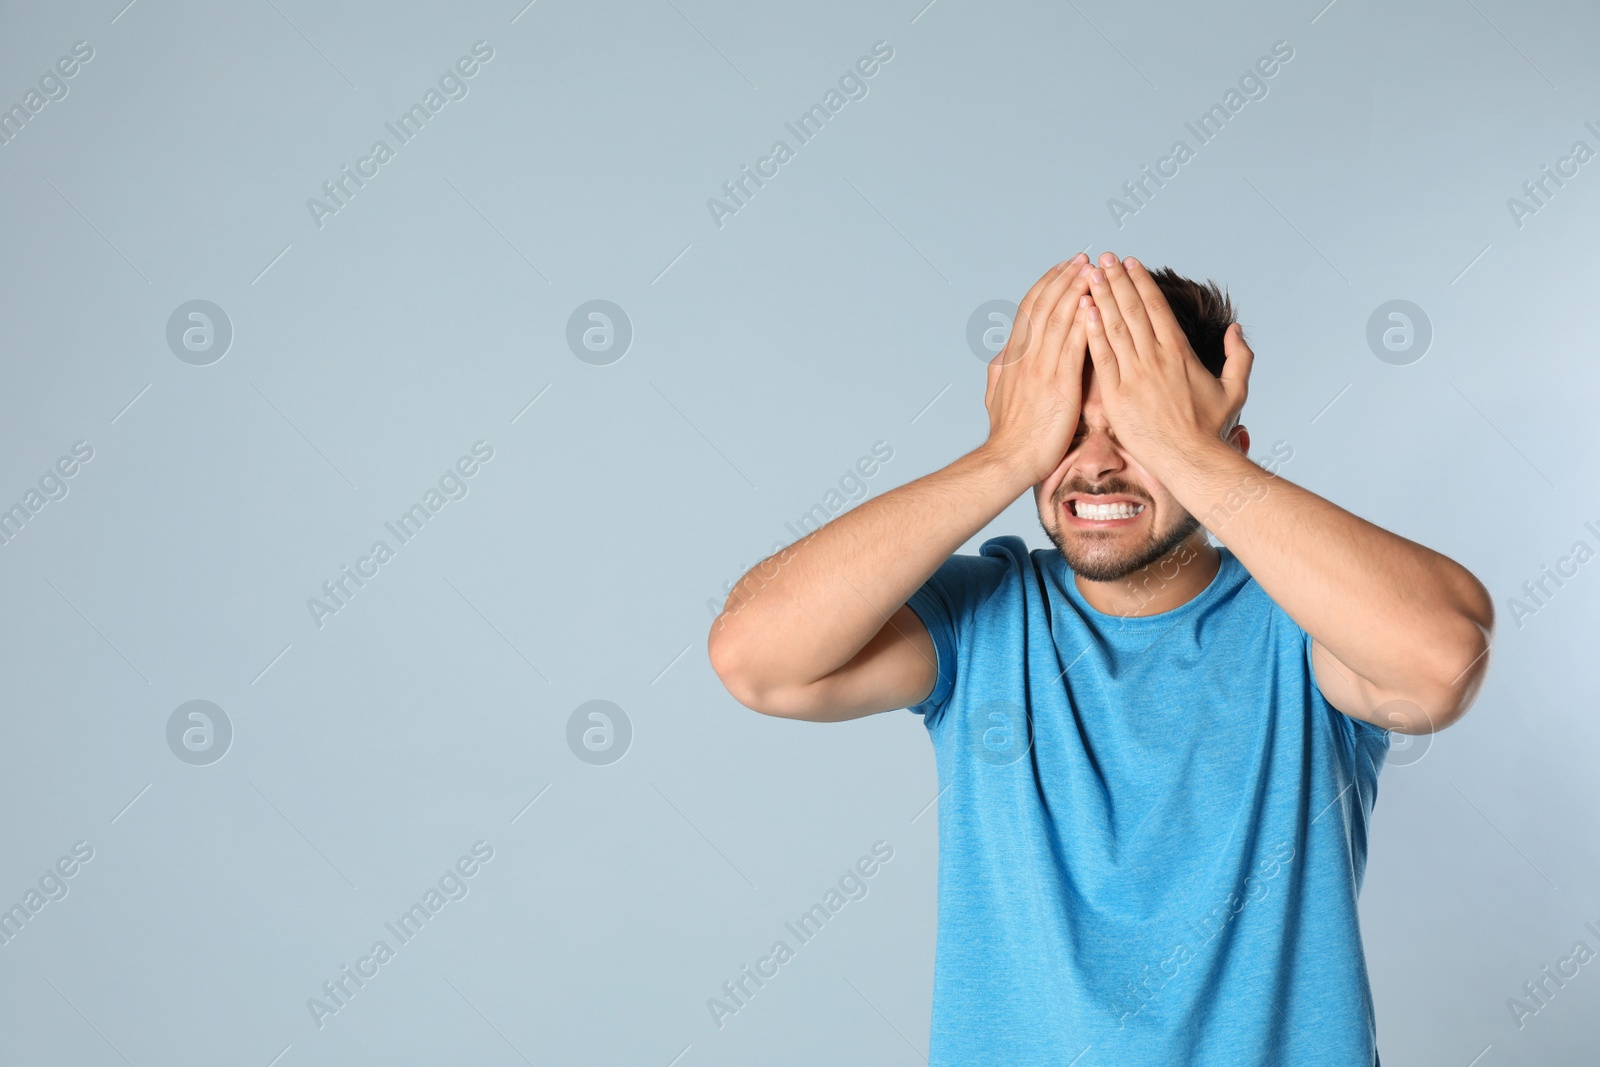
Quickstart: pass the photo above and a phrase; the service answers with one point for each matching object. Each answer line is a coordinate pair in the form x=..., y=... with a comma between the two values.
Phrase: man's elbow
x=732, y=671
x=720, y=651
x=1461, y=677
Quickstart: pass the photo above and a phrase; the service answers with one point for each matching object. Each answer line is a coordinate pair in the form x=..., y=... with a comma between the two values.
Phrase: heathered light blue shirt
x=1152, y=830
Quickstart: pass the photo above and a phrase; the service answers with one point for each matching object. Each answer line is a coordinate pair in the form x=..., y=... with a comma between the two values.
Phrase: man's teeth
x=1105, y=511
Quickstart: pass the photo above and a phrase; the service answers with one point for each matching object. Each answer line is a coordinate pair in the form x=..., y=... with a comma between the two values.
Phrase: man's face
x=1146, y=523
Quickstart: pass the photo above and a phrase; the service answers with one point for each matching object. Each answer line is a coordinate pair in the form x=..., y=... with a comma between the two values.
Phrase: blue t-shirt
x=1152, y=830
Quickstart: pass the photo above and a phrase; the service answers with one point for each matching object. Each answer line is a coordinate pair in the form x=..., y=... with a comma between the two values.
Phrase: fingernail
x=1107, y=258
x=1099, y=276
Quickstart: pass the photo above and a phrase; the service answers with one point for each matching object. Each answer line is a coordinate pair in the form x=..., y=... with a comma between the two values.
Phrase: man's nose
x=1097, y=456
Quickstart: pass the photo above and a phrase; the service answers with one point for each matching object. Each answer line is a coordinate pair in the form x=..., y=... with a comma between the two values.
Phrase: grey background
x=768, y=355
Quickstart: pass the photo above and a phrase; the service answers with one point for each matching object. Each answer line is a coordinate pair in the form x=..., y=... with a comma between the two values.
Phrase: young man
x=1157, y=758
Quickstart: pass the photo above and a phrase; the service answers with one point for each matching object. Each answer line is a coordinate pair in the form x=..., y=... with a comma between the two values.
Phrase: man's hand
x=1035, y=389
x=1159, y=397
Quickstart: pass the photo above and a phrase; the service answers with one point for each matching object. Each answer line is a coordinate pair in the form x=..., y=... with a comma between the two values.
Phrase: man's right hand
x=1035, y=389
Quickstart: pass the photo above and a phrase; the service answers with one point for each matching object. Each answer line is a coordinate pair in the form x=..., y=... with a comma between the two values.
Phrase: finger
x=1025, y=330
x=1046, y=302
x=1066, y=267
x=1074, y=351
x=1112, y=324
x=1162, y=320
x=1064, y=314
x=1131, y=305
x=1100, y=350
x=1052, y=274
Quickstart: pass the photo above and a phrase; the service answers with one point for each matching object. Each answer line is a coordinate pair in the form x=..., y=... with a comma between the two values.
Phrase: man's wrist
x=1003, y=469
x=1195, y=469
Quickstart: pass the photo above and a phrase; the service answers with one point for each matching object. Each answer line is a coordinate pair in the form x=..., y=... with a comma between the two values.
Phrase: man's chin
x=1097, y=558
x=1100, y=565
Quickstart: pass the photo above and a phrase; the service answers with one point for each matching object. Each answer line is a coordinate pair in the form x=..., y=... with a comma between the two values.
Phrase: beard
x=1112, y=555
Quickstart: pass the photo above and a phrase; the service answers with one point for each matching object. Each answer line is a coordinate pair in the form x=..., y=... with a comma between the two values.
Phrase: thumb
x=994, y=373
x=1239, y=358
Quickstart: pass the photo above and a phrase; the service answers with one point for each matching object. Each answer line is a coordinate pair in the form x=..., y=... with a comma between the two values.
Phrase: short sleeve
x=945, y=603
x=933, y=609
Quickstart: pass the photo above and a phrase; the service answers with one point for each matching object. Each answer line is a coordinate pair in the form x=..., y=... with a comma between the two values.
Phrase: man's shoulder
x=970, y=579
x=998, y=559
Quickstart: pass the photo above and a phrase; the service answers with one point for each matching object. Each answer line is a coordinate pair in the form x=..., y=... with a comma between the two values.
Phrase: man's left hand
x=1159, y=398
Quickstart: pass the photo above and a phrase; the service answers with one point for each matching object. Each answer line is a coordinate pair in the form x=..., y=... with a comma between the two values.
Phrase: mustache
x=1065, y=490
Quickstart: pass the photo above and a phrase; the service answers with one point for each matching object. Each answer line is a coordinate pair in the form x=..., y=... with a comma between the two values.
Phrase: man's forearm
x=1401, y=615
x=804, y=612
